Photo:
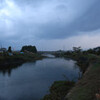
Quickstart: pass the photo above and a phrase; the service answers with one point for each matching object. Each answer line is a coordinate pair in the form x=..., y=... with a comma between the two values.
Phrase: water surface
x=31, y=81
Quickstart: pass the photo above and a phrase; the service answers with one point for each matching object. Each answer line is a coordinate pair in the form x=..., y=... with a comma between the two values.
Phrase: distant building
x=3, y=50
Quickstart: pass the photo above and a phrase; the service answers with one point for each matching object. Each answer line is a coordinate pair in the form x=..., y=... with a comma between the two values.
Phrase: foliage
x=94, y=51
x=89, y=85
x=59, y=89
x=9, y=49
x=29, y=49
x=68, y=53
x=77, y=49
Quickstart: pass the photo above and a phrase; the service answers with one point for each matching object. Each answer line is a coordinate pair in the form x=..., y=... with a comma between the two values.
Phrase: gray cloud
x=89, y=21
x=47, y=19
x=58, y=28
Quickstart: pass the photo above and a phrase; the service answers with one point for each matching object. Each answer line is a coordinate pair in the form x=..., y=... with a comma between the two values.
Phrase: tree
x=9, y=49
x=29, y=49
x=77, y=49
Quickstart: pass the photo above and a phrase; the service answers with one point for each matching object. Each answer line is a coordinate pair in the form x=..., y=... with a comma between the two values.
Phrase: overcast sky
x=50, y=24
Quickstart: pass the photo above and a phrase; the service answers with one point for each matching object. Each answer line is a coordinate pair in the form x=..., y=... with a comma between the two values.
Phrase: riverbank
x=6, y=60
x=58, y=90
x=83, y=60
x=88, y=85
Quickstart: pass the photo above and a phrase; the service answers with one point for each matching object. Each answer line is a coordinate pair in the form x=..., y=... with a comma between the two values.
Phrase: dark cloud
x=90, y=21
x=47, y=19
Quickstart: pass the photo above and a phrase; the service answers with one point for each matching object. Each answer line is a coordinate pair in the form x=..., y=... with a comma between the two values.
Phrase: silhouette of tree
x=9, y=49
x=29, y=49
x=77, y=49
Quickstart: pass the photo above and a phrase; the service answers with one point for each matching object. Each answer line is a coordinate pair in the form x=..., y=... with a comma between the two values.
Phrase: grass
x=58, y=90
x=17, y=58
x=89, y=85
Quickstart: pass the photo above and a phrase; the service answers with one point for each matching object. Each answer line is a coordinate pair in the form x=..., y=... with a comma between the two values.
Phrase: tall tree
x=9, y=49
x=77, y=49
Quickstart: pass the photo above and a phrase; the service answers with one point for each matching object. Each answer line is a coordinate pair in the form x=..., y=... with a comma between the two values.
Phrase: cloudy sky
x=50, y=24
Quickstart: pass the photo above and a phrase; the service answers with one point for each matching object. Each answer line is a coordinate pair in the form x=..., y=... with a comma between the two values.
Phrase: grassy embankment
x=85, y=88
x=88, y=86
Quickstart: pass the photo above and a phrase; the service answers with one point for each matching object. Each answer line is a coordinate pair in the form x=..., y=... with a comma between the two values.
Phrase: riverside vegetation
x=88, y=86
x=27, y=53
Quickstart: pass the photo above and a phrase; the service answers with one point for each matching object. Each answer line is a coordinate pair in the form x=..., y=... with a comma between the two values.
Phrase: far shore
x=17, y=58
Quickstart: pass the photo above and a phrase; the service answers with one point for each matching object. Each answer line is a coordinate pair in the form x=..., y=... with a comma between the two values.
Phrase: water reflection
x=7, y=68
x=48, y=55
x=31, y=81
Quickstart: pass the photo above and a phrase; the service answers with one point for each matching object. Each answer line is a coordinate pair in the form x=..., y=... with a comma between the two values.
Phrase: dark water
x=31, y=81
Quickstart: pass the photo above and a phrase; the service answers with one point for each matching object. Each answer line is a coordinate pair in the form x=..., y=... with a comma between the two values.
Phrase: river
x=32, y=80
